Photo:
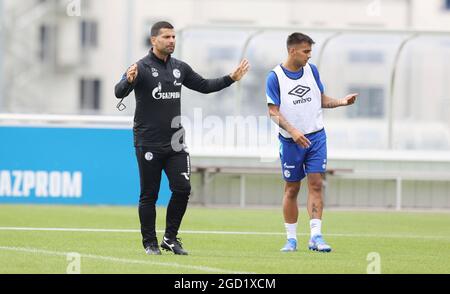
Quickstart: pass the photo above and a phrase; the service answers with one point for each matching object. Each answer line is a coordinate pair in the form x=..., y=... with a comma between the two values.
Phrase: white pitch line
x=123, y=260
x=223, y=233
x=70, y=230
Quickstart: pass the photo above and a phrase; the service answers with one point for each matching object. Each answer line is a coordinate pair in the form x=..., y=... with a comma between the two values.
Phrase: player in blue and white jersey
x=295, y=97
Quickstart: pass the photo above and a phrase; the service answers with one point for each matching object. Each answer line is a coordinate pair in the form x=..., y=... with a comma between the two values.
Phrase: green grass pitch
x=407, y=242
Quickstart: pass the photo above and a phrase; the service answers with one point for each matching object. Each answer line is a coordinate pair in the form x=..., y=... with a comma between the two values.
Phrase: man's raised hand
x=132, y=73
x=240, y=71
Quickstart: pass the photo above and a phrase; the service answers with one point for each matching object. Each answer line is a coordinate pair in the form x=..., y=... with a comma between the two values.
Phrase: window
x=89, y=31
x=370, y=104
x=359, y=56
x=90, y=94
x=45, y=41
x=447, y=4
x=222, y=53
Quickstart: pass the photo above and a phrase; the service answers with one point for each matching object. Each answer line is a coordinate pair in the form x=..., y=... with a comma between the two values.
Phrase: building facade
x=64, y=56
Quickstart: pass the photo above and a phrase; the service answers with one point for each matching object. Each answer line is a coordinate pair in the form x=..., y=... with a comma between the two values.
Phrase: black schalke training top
x=157, y=88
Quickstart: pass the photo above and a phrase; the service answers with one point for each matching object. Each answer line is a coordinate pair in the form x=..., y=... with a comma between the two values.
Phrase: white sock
x=291, y=231
x=316, y=227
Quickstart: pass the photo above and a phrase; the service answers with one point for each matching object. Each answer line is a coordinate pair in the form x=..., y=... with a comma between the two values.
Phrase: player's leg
x=315, y=166
x=315, y=199
x=290, y=214
x=293, y=173
x=290, y=205
x=178, y=171
x=150, y=164
x=315, y=210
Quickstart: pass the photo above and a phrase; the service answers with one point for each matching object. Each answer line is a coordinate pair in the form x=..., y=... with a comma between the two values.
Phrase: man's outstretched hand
x=349, y=99
x=240, y=71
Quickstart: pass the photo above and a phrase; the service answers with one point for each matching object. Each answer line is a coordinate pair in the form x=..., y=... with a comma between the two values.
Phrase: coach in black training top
x=156, y=80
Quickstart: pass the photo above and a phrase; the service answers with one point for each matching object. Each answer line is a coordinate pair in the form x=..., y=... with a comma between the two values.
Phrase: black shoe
x=152, y=249
x=173, y=245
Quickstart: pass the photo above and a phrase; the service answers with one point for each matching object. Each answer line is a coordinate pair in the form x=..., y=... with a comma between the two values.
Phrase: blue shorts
x=297, y=161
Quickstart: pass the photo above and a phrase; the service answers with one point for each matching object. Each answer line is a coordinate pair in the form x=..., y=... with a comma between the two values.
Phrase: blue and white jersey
x=299, y=96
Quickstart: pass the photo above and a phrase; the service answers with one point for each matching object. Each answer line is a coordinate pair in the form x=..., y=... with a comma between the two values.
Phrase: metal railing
x=393, y=73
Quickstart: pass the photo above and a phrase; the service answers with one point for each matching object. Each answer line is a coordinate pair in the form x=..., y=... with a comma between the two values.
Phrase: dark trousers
x=152, y=161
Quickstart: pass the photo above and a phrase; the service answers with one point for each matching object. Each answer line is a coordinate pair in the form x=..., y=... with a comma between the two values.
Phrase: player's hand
x=300, y=139
x=132, y=73
x=240, y=71
x=349, y=99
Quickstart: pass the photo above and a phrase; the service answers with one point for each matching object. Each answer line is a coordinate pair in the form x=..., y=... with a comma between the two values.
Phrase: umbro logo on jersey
x=301, y=101
x=300, y=91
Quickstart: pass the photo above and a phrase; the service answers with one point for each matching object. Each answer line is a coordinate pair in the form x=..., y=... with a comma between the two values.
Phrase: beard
x=168, y=50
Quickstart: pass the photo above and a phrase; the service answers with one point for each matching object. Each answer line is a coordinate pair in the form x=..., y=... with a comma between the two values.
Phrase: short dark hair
x=158, y=26
x=298, y=38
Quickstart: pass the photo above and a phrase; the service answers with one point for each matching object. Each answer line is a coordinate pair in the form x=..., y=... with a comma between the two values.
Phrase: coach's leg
x=150, y=167
x=178, y=171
